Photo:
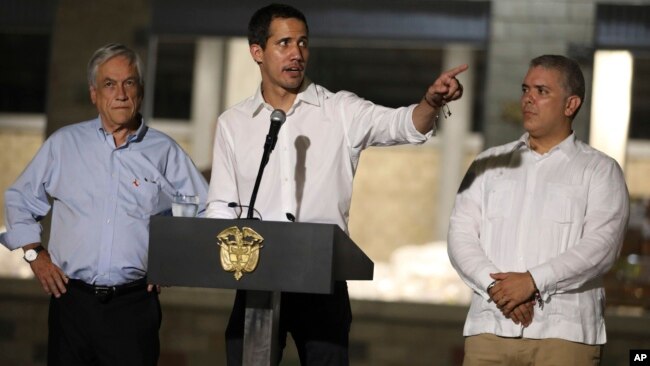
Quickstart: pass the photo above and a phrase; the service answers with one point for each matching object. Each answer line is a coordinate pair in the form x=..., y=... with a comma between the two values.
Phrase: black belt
x=105, y=293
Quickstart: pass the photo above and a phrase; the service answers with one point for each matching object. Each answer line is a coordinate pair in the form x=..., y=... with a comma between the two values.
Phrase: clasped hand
x=513, y=294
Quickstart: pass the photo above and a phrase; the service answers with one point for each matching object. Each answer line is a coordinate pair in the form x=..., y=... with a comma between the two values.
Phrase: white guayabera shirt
x=561, y=215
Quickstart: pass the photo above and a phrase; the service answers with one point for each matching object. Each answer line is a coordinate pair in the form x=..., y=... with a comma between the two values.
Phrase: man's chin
x=294, y=84
x=123, y=122
x=528, y=123
x=123, y=118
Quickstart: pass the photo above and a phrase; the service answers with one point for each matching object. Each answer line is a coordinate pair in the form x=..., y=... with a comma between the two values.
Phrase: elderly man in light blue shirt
x=106, y=178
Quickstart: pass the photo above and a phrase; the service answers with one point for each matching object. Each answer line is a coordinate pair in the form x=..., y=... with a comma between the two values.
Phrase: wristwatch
x=32, y=254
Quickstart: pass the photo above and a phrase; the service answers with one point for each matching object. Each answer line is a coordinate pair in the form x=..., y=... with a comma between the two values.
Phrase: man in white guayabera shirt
x=536, y=224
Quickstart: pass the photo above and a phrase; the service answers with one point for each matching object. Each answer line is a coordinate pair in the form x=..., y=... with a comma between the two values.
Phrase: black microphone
x=277, y=119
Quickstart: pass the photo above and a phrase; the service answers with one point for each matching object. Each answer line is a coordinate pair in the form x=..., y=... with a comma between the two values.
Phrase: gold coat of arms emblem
x=240, y=250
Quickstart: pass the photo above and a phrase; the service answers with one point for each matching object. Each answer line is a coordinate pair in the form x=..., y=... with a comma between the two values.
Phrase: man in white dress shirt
x=309, y=175
x=536, y=224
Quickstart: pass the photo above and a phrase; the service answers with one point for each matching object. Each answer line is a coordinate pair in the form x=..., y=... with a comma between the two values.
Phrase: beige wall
x=18, y=148
x=637, y=174
x=394, y=198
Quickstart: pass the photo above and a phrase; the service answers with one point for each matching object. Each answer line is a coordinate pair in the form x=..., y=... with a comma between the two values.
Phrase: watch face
x=30, y=255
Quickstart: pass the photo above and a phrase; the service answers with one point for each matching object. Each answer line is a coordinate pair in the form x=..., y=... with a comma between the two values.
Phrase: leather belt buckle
x=104, y=293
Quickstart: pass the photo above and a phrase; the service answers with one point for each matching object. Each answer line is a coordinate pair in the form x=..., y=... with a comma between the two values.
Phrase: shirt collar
x=567, y=146
x=136, y=136
x=140, y=132
x=307, y=94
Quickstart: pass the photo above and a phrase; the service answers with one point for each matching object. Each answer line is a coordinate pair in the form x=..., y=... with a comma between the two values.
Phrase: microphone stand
x=258, y=180
x=277, y=119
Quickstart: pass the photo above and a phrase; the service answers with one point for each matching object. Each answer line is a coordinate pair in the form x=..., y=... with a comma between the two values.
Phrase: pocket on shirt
x=142, y=199
x=566, y=306
x=562, y=203
x=499, y=198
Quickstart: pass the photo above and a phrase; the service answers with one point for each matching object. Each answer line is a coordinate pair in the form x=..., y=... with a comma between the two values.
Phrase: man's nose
x=297, y=53
x=121, y=92
x=528, y=98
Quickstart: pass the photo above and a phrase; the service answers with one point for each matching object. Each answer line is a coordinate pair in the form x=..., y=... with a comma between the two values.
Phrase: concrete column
x=243, y=75
x=453, y=136
x=611, y=103
x=206, y=97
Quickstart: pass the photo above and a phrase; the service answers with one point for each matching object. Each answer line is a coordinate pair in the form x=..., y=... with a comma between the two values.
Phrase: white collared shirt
x=309, y=174
x=561, y=215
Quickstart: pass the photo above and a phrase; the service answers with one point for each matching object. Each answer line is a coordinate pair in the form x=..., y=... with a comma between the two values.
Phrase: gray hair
x=106, y=53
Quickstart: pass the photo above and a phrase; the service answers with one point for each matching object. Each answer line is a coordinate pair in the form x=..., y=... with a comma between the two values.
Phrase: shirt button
x=108, y=221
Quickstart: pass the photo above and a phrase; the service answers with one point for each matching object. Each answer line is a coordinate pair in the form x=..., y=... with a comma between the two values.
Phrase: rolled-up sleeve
x=26, y=201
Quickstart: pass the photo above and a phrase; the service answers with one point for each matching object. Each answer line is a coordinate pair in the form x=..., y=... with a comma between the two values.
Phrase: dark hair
x=106, y=53
x=258, y=26
x=574, y=80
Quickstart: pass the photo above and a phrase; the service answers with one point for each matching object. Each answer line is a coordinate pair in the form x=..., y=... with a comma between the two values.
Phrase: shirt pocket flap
x=563, y=203
x=499, y=198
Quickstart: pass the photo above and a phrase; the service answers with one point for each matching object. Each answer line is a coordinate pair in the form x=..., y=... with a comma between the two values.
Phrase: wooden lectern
x=293, y=257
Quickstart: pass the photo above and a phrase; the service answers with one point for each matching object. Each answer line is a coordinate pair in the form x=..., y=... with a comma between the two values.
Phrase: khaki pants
x=489, y=349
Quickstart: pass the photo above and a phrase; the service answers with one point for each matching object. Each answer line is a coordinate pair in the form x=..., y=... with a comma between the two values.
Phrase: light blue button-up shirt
x=102, y=198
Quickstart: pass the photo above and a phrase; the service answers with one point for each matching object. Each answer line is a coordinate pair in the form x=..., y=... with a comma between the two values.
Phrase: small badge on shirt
x=136, y=183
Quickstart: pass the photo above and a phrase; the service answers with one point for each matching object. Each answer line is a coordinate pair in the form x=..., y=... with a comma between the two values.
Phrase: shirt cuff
x=415, y=136
x=221, y=210
x=19, y=237
x=543, y=277
x=484, y=280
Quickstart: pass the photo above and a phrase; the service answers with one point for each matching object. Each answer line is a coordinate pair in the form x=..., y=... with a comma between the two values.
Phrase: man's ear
x=256, y=52
x=93, y=94
x=573, y=102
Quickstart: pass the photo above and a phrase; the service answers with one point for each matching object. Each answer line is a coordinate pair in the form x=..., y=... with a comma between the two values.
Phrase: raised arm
x=445, y=89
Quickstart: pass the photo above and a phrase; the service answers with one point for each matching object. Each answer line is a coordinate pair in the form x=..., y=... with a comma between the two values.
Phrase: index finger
x=456, y=70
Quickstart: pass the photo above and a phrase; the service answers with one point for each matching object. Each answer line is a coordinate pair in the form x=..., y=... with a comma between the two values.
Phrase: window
x=392, y=77
x=173, y=84
x=640, y=109
x=24, y=64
